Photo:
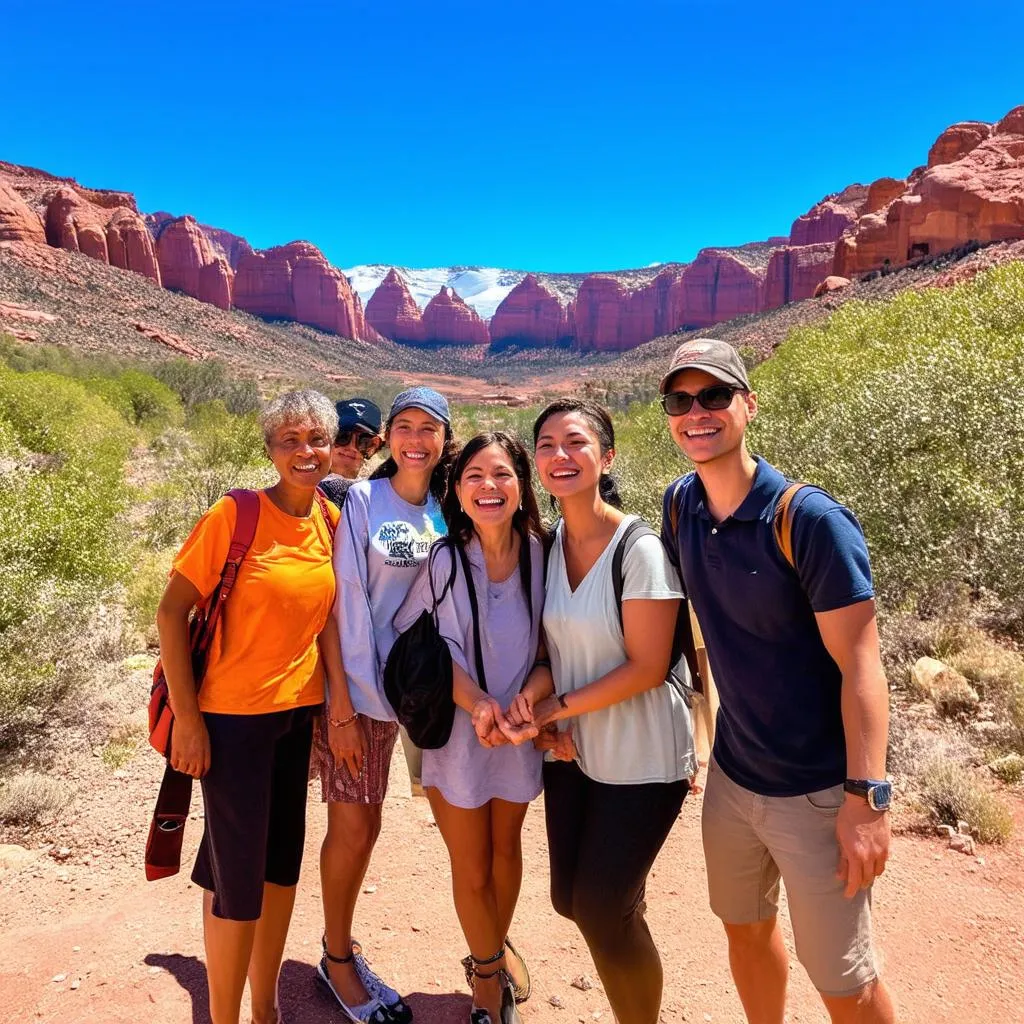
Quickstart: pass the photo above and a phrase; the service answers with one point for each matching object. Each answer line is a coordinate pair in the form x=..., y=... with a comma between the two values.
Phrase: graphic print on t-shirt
x=403, y=545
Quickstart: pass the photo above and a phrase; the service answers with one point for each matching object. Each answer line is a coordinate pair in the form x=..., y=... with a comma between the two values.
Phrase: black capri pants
x=602, y=842
x=255, y=802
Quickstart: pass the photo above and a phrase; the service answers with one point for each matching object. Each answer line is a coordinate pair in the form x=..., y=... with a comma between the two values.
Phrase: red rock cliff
x=718, y=286
x=795, y=271
x=827, y=220
x=978, y=196
x=18, y=222
x=392, y=311
x=600, y=312
x=448, y=320
x=189, y=264
x=529, y=315
x=295, y=282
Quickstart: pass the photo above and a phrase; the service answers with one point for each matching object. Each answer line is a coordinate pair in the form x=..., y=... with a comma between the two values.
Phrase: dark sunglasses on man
x=714, y=399
x=366, y=444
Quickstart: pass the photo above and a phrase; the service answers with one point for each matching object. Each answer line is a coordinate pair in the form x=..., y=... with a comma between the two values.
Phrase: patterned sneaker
x=375, y=987
x=372, y=1012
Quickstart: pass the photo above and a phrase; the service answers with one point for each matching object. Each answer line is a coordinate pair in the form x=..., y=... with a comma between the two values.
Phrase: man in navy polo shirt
x=796, y=787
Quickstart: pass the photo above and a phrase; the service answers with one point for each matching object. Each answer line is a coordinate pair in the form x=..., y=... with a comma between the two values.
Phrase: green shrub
x=196, y=383
x=908, y=410
x=954, y=793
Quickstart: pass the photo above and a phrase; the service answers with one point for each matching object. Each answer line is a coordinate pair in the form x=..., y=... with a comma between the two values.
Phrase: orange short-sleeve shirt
x=264, y=656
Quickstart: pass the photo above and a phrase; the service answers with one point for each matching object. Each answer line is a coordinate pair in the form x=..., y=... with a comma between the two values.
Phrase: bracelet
x=541, y=663
x=560, y=697
x=340, y=723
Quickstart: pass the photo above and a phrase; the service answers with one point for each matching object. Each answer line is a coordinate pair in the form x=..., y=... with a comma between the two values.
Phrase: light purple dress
x=467, y=774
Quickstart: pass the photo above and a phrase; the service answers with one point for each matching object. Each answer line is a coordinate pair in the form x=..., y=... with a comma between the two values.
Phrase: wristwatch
x=877, y=792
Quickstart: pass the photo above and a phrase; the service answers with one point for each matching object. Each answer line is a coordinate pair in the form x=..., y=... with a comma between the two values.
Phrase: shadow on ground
x=303, y=998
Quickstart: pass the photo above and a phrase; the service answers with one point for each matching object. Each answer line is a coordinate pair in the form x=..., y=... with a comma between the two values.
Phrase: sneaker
x=372, y=1012
x=388, y=997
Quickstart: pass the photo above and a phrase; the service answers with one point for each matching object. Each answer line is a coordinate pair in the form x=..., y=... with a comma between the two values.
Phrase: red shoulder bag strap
x=166, y=830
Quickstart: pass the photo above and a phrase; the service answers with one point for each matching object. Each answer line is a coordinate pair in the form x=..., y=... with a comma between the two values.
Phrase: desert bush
x=954, y=793
x=1009, y=768
x=197, y=383
x=196, y=465
x=121, y=745
x=998, y=674
x=908, y=410
x=144, y=590
x=29, y=799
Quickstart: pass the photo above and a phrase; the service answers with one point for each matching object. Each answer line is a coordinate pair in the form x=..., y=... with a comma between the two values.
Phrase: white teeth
x=311, y=466
x=490, y=501
x=415, y=455
x=705, y=432
x=564, y=472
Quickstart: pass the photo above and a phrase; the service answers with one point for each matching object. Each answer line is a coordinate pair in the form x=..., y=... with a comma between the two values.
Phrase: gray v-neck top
x=648, y=737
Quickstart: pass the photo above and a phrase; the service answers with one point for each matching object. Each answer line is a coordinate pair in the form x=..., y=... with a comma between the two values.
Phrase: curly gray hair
x=306, y=407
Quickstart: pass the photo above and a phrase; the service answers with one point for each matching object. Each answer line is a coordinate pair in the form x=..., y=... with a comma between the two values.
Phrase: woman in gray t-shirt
x=622, y=760
x=480, y=783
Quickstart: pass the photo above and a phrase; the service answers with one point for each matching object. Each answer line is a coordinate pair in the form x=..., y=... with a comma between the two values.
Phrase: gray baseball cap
x=427, y=399
x=712, y=356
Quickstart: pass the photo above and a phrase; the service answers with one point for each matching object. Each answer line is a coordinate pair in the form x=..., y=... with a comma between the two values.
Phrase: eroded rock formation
x=528, y=315
x=448, y=320
x=392, y=311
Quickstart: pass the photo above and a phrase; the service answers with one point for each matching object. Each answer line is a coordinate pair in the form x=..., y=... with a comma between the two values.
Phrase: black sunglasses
x=714, y=398
x=366, y=444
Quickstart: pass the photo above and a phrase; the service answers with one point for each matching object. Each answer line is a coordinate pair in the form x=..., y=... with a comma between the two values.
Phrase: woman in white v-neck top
x=621, y=748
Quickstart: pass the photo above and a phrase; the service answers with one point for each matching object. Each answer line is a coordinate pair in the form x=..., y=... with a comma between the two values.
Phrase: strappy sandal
x=370, y=1012
x=375, y=986
x=508, y=1013
x=522, y=992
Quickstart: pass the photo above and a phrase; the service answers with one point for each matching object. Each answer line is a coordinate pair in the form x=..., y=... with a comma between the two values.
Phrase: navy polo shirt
x=779, y=730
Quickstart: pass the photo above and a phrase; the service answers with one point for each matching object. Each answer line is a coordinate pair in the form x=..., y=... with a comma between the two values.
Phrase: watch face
x=880, y=796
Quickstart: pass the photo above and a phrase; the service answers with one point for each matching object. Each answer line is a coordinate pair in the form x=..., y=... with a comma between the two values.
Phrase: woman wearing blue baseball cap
x=387, y=526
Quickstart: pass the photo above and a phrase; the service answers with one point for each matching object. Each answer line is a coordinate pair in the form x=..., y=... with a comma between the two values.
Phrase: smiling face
x=347, y=459
x=301, y=453
x=705, y=435
x=416, y=440
x=488, y=489
x=568, y=455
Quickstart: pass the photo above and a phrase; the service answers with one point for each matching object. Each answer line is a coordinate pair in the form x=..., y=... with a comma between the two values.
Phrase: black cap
x=712, y=356
x=358, y=412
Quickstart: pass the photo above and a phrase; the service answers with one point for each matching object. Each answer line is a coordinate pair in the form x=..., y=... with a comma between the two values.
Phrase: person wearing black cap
x=779, y=578
x=358, y=440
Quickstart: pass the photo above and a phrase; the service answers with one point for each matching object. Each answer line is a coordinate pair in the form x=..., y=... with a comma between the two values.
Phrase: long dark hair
x=525, y=520
x=598, y=417
x=438, y=485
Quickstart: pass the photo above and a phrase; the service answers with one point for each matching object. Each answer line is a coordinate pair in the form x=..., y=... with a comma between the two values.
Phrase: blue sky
x=552, y=136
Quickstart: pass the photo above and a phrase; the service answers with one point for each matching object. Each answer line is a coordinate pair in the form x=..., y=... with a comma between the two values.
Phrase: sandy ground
x=84, y=938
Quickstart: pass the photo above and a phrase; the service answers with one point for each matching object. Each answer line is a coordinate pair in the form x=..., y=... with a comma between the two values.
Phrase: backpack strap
x=782, y=519
x=474, y=608
x=683, y=644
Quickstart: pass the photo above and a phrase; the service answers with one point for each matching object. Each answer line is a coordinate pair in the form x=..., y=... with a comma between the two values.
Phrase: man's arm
x=850, y=635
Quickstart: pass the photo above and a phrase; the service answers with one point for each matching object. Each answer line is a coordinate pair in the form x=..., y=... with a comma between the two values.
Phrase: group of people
x=560, y=643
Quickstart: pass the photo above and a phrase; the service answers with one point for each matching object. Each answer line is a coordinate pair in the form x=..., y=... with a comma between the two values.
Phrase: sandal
x=371, y=1012
x=508, y=1013
x=522, y=992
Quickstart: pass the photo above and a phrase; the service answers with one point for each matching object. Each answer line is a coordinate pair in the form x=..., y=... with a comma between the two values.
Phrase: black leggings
x=602, y=841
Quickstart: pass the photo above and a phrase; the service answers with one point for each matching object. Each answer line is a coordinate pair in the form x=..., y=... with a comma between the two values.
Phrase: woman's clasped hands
x=518, y=724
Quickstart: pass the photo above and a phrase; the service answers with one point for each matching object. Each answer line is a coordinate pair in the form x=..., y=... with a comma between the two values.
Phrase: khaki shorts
x=752, y=841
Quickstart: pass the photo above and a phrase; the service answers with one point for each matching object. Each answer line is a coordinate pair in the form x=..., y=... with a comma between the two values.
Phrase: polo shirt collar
x=768, y=483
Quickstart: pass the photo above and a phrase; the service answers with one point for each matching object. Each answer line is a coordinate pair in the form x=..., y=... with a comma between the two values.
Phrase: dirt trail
x=86, y=939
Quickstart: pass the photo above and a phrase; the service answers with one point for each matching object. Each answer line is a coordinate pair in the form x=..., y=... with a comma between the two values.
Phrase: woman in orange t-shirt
x=247, y=732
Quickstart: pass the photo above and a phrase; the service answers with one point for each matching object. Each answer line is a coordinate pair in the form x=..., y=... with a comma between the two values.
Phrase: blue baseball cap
x=427, y=399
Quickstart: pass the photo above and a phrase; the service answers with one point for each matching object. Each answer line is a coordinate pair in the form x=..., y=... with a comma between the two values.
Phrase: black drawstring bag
x=418, y=671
